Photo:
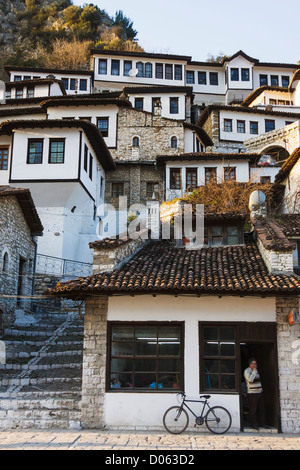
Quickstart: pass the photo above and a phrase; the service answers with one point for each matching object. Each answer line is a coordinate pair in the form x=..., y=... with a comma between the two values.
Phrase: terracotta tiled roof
x=271, y=235
x=290, y=224
x=163, y=268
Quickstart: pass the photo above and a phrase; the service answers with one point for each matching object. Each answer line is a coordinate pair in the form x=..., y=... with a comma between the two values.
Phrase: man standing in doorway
x=255, y=396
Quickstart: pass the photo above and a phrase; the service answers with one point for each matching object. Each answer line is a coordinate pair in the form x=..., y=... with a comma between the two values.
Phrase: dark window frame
x=210, y=174
x=168, y=71
x=268, y=123
x=229, y=173
x=202, y=78
x=117, y=189
x=245, y=75
x=240, y=126
x=102, y=67
x=134, y=357
x=254, y=127
x=35, y=141
x=3, y=157
x=191, y=178
x=206, y=376
x=159, y=71
x=190, y=77
x=175, y=178
x=263, y=79
x=83, y=81
x=227, y=125
x=174, y=105
x=213, y=78
x=115, y=67
x=127, y=66
x=139, y=106
x=178, y=72
x=105, y=129
x=234, y=74
x=50, y=154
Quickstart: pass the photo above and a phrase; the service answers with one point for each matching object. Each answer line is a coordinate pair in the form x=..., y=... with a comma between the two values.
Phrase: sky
x=264, y=29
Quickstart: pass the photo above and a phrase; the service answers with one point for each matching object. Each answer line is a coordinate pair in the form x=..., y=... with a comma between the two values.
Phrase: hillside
x=56, y=33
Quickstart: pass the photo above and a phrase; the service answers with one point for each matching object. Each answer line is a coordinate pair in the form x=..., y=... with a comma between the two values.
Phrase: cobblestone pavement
x=137, y=440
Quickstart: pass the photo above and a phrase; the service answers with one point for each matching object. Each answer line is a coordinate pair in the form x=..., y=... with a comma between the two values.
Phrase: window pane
x=210, y=333
x=121, y=365
x=169, y=365
x=178, y=72
x=121, y=381
x=146, y=333
x=102, y=67
x=211, y=348
x=211, y=365
x=145, y=380
x=145, y=365
x=57, y=152
x=227, y=349
x=127, y=67
x=146, y=348
x=169, y=72
x=159, y=71
x=245, y=75
x=234, y=75
x=211, y=382
x=3, y=158
x=228, y=382
x=148, y=70
x=115, y=67
x=102, y=124
x=122, y=333
x=217, y=231
x=202, y=78
x=35, y=151
x=122, y=349
x=227, y=366
x=213, y=78
x=140, y=67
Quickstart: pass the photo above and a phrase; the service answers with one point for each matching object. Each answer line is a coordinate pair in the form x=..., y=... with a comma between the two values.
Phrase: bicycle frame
x=185, y=401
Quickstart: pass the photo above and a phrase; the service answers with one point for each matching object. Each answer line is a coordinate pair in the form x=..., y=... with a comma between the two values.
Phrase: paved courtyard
x=149, y=441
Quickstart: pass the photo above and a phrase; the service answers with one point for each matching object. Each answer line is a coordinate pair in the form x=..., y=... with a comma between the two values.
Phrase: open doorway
x=264, y=353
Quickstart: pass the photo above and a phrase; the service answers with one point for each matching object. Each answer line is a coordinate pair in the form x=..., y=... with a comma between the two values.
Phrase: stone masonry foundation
x=288, y=339
x=94, y=362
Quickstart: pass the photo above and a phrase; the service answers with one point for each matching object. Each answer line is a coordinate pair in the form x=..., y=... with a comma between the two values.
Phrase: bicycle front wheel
x=175, y=420
x=218, y=420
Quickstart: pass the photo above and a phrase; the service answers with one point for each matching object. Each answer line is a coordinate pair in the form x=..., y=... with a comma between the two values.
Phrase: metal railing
x=62, y=267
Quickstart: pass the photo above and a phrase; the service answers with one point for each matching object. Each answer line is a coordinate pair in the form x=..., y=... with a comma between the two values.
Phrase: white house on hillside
x=63, y=163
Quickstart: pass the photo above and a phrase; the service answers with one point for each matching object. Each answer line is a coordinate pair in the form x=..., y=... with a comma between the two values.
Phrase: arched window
x=174, y=142
x=135, y=142
x=140, y=67
x=148, y=70
x=5, y=263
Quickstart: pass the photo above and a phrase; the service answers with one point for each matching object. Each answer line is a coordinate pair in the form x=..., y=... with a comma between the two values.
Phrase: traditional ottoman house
x=18, y=215
x=63, y=163
x=160, y=318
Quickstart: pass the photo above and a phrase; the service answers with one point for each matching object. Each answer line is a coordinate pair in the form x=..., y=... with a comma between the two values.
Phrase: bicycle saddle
x=205, y=396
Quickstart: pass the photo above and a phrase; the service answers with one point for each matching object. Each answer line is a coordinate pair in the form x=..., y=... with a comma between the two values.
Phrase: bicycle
x=217, y=418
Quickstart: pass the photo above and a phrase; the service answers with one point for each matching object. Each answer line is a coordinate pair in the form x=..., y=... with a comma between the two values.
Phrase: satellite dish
x=133, y=72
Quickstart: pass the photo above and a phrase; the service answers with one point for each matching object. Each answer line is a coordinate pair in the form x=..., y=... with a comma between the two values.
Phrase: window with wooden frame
x=241, y=127
x=229, y=173
x=175, y=178
x=159, y=71
x=210, y=175
x=213, y=78
x=127, y=67
x=152, y=189
x=102, y=124
x=253, y=127
x=227, y=125
x=174, y=142
x=191, y=178
x=35, y=151
x=234, y=74
x=148, y=70
x=140, y=67
x=4, y=157
x=56, y=150
x=223, y=235
x=169, y=72
x=145, y=356
x=269, y=125
x=218, y=358
x=117, y=189
x=178, y=72
x=174, y=106
x=102, y=67
x=139, y=103
x=115, y=67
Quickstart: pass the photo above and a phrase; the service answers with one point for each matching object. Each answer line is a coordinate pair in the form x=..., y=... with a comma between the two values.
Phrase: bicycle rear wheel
x=218, y=420
x=175, y=420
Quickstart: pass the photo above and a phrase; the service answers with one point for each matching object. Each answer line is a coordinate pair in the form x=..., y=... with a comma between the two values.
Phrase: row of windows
x=151, y=357
x=191, y=182
x=239, y=74
x=20, y=93
x=118, y=189
x=253, y=126
x=69, y=83
x=145, y=70
x=273, y=80
x=204, y=78
x=72, y=84
x=173, y=104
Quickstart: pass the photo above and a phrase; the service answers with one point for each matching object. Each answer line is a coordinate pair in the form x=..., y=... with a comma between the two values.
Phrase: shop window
x=145, y=357
x=218, y=358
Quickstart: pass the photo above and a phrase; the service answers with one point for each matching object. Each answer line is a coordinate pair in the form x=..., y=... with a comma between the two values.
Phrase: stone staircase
x=40, y=382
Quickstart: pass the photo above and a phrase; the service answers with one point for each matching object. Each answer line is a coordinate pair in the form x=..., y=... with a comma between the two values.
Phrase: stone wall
x=94, y=363
x=287, y=137
x=134, y=177
x=15, y=243
x=288, y=341
x=154, y=134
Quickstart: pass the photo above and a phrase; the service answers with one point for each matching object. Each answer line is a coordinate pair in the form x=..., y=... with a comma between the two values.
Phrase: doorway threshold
x=260, y=430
